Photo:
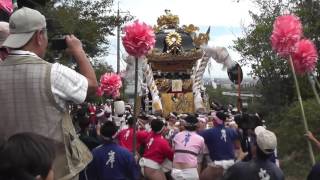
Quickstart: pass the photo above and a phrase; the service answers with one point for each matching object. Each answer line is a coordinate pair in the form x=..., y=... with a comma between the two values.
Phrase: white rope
x=156, y=102
x=220, y=55
x=197, y=82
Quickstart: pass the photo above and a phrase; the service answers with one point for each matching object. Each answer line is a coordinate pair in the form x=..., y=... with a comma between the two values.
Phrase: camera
x=56, y=35
x=31, y=3
x=248, y=121
x=58, y=43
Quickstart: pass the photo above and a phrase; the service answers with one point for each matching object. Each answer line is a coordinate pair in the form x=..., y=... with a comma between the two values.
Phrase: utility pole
x=118, y=40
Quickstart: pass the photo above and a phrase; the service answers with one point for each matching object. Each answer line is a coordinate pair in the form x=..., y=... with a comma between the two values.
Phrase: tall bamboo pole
x=118, y=40
x=315, y=79
x=302, y=110
x=312, y=82
x=135, y=110
x=239, y=90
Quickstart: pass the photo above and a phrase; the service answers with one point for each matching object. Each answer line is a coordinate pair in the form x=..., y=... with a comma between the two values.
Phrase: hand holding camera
x=74, y=45
x=66, y=42
x=58, y=43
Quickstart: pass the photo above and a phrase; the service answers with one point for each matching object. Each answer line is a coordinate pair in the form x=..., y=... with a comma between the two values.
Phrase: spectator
x=260, y=167
x=315, y=171
x=273, y=157
x=100, y=117
x=111, y=161
x=33, y=92
x=4, y=33
x=313, y=139
x=89, y=140
x=27, y=156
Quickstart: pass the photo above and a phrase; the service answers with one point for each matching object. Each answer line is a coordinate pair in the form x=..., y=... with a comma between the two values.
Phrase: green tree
x=292, y=145
x=309, y=12
x=215, y=95
x=101, y=68
x=279, y=101
x=275, y=77
x=255, y=49
x=91, y=21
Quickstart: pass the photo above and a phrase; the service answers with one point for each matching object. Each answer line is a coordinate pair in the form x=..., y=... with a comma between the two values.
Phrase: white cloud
x=199, y=12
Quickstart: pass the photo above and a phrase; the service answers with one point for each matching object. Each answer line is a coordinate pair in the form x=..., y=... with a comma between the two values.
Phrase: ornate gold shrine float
x=172, y=61
x=171, y=75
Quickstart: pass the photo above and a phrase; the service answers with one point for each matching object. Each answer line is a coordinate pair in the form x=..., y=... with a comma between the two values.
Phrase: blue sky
x=216, y=31
x=226, y=17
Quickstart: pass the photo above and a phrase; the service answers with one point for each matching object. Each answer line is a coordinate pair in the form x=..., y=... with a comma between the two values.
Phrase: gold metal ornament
x=201, y=39
x=177, y=102
x=190, y=28
x=169, y=20
x=187, y=85
x=173, y=38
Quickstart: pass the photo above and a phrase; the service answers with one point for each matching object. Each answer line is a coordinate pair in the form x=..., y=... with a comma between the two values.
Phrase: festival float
x=171, y=74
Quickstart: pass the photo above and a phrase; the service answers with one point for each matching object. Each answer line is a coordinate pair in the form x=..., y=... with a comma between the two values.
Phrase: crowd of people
x=180, y=146
x=41, y=138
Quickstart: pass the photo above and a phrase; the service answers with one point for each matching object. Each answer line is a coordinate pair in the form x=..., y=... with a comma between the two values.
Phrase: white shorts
x=166, y=166
x=185, y=174
x=148, y=163
x=225, y=164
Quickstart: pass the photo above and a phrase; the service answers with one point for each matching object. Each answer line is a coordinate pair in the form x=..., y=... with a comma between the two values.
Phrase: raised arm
x=313, y=139
x=75, y=49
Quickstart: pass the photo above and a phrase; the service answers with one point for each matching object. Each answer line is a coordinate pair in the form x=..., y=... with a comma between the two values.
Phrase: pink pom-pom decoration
x=305, y=56
x=287, y=31
x=139, y=39
x=110, y=83
x=6, y=5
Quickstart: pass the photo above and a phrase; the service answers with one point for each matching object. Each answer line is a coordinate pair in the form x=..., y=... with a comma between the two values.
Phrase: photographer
x=34, y=93
x=260, y=167
x=247, y=123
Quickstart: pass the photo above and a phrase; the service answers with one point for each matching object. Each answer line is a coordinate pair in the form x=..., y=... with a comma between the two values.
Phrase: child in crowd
x=27, y=156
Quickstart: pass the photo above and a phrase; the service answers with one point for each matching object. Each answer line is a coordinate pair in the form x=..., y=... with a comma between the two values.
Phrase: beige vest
x=27, y=105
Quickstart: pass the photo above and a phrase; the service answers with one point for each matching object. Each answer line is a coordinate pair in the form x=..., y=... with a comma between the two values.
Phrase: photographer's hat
x=23, y=24
x=266, y=140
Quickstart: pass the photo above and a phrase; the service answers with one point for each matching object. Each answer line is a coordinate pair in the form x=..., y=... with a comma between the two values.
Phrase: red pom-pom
x=305, y=56
x=139, y=39
x=287, y=31
x=110, y=83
